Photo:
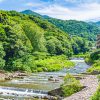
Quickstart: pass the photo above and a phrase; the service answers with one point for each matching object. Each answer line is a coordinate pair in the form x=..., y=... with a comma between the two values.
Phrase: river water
x=38, y=84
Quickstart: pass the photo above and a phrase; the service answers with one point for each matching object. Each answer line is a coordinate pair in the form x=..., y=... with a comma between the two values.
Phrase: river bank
x=10, y=75
x=90, y=82
x=38, y=84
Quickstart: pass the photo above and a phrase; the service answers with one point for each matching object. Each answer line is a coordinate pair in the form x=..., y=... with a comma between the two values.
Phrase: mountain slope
x=79, y=28
x=36, y=31
x=98, y=23
x=26, y=38
x=29, y=12
x=73, y=27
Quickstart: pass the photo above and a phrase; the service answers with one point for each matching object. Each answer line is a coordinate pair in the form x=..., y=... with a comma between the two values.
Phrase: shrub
x=94, y=58
x=96, y=96
x=70, y=86
x=95, y=55
x=95, y=67
x=54, y=63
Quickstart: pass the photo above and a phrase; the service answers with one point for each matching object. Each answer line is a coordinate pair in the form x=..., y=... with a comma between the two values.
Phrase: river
x=38, y=84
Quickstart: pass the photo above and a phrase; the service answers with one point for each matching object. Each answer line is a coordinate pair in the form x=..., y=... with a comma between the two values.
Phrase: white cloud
x=54, y=9
x=81, y=12
x=37, y=4
x=72, y=1
x=82, y=1
x=31, y=4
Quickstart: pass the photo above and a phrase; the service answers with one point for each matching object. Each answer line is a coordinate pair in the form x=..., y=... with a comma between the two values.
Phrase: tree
x=36, y=36
x=2, y=54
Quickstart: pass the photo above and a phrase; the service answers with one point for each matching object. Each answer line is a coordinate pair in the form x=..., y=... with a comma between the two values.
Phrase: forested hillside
x=72, y=27
x=98, y=23
x=25, y=39
x=79, y=28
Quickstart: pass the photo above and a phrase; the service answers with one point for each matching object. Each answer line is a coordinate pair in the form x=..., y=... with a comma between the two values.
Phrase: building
x=98, y=41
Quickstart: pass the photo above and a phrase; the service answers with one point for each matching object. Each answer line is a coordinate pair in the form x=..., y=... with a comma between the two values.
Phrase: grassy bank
x=70, y=86
x=80, y=55
x=95, y=67
x=46, y=64
x=94, y=60
x=54, y=63
x=96, y=96
x=41, y=64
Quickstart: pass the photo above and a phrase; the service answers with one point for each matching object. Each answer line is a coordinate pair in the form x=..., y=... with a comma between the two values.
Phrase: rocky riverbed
x=9, y=76
x=21, y=86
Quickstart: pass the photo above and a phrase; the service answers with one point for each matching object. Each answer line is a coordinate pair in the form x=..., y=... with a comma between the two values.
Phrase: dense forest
x=87, y=30
x=25, y=39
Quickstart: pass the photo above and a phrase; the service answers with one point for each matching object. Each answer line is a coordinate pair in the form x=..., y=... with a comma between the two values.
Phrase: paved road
x=91, y=83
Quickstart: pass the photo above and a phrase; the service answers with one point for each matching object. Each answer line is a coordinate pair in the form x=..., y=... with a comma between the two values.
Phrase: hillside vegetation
x=74, y=28
x=24, y=39
x=94, y=59
x=79, y=28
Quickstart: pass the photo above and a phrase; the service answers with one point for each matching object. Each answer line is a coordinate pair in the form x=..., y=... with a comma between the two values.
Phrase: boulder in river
x=8, y=78
x=53, y=79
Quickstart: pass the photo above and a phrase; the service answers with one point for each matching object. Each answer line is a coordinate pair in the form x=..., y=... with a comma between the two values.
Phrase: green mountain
x=79, y=28
x=73, y=27
x=25, y=39
x=30, y=12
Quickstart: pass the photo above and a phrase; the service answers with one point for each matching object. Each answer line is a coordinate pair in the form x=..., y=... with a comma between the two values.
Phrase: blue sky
x=62, y=9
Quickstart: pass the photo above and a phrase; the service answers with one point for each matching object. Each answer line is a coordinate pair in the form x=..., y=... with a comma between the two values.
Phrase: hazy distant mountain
x=98, y=23
x=94, y=20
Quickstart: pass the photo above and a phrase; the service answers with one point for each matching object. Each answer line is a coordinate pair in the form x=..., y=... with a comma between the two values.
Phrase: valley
x=47, y=58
